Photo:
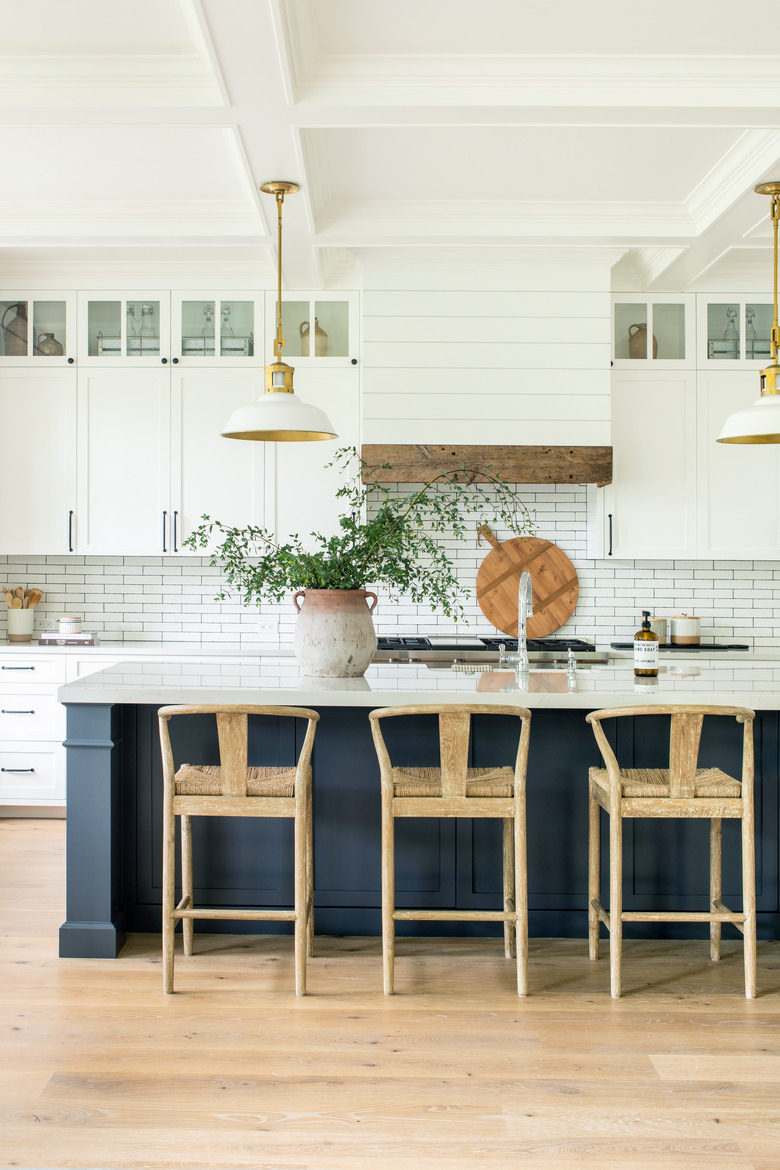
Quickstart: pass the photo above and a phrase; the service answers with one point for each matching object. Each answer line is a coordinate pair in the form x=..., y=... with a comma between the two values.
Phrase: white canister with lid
x=69, y=625
x=685, y=630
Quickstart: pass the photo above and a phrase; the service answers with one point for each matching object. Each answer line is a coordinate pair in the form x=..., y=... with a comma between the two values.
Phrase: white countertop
x=742, y=680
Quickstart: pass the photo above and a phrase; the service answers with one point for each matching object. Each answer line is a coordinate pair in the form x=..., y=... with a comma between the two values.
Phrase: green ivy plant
x=385, y=539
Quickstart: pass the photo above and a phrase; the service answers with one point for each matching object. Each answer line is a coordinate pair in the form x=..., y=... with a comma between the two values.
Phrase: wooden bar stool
x=681, y=790
x=235, y=790
x=455, y=790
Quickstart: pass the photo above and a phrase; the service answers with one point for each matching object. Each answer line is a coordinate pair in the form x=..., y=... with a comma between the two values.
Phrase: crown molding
x=755, y=152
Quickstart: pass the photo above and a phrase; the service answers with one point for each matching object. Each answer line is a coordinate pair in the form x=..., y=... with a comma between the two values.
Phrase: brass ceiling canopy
x=279, y=417
x=760, y=423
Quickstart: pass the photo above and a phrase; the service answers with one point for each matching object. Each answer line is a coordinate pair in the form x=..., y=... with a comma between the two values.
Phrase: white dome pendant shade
x=279, y=417
x=760, y=423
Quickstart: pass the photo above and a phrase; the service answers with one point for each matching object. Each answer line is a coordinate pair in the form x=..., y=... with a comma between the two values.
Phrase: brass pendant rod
x=279, y=341
x=775, y=339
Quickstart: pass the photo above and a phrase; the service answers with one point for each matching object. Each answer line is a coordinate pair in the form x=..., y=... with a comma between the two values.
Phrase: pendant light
x=279, y=416
x=760, y=423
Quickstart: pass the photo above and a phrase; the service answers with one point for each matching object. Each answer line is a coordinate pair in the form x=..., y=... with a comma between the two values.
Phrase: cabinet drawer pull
x=70, y=531
x=17, y=769
x=165, y=517
x=17, y=668
x=609, y=554
x=175, y=525
x=3, y=711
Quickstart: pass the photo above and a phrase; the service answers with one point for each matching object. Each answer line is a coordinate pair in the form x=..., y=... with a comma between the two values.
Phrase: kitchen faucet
x=525, y=609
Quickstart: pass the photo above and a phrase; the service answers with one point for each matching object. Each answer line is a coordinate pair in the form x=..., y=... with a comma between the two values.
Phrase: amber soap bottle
x=646, y=649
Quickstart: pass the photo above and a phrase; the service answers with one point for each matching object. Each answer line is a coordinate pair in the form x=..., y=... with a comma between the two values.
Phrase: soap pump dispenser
x=646, y=649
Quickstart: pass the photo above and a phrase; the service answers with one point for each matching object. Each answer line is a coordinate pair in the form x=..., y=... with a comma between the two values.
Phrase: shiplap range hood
x=417, y=463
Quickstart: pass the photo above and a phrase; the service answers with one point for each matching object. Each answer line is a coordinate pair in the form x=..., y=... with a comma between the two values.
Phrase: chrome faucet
x=525, y=609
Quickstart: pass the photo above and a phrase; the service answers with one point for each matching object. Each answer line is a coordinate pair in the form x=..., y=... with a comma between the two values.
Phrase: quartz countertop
x=741, y=680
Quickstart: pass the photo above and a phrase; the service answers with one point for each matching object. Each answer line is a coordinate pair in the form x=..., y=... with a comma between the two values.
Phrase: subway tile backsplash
x=171, y=599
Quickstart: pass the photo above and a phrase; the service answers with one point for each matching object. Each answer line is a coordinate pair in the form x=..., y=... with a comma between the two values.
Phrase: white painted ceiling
x=443, y=125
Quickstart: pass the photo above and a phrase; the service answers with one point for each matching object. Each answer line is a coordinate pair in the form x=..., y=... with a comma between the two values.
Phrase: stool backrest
x=684, y=738
x=454, y=734
x=232, y=732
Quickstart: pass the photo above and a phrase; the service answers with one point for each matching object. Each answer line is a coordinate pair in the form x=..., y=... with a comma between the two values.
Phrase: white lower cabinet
x=32, y=728
x=37, y=460
x=739, y=483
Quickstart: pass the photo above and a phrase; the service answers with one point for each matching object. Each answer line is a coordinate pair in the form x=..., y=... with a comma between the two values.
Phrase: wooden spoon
x=16, y=604
x=34, y=598
x=19, y=594
x=8, y=595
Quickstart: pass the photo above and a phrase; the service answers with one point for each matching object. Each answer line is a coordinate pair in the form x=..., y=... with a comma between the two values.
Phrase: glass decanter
x=751, y=337
x=731, y=336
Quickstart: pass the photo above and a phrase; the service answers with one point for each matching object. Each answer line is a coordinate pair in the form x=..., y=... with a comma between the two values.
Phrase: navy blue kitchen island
x=114, y=847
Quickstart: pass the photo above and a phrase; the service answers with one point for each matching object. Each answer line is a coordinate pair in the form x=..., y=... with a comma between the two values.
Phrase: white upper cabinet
x=210, y=328
x=319, y=329
x=124, y=462
x=650, y=508
x=37, y=329
x=739, y=484
x=222, y=478
x=37, y=460
x=653, y=331
x=734, y=330
x=118, y=328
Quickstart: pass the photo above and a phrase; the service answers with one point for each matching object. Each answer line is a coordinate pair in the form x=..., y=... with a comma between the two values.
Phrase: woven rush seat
x=206, y=780
x=655, y=782
x=479, y=782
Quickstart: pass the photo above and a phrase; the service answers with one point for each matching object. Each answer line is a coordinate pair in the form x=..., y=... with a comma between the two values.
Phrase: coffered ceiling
x=443, y=125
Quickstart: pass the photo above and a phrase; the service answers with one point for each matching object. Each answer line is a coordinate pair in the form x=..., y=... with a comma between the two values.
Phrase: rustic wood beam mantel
x=417, y=463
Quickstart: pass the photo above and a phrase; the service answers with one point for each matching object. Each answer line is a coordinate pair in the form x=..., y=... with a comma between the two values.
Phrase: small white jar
x=685, y=630
x=69, y=625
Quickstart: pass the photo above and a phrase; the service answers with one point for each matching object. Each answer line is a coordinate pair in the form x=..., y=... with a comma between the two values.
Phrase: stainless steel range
x=470, y=648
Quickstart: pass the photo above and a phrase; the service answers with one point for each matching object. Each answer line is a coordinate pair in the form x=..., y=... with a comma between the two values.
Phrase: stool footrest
x=681, y=916
x=455, y=915
x=260, y=915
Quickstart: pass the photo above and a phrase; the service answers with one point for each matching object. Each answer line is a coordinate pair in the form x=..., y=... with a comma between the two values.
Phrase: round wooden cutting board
x=553, y=576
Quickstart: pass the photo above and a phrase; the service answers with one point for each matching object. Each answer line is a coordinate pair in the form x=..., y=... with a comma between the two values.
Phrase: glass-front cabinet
x=650, y=330
x=319, y=328
x=734, y=329
x=217, y=328
x=124, y=327
x=37, y=329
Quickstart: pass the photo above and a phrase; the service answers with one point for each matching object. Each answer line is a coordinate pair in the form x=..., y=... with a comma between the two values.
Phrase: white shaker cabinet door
x=221, y=478
x=123, y=462
x=305, y=487
x=739, y=483
x=654, y=465
x=37, y=460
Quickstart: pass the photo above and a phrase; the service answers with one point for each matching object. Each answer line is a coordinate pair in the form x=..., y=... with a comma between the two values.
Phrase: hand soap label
x=645, y=655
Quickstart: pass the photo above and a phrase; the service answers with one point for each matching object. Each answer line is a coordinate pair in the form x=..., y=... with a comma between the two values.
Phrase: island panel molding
x=417, y=462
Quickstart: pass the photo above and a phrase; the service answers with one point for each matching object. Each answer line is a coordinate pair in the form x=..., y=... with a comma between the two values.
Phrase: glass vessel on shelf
x=758, y=326
x=148, y=332
x=723, y=340
x=731, y=336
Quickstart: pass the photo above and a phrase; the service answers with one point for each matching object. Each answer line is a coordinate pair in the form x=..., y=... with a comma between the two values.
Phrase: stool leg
x=388, y=896
x=508, y=852
x=615, y=902
x=521, y=898
x=716, y=881
x=309, y=877
x=301, y=866
x=749, y=900
x=187, y=887
x=594, y=872
x=168, y=894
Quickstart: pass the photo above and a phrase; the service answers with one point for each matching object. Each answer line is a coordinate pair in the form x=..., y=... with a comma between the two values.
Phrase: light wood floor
x=99, y=1069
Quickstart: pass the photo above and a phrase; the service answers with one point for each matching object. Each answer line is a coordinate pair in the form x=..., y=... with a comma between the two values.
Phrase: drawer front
x=33, y=775
x=29, y=714
x=21, y=671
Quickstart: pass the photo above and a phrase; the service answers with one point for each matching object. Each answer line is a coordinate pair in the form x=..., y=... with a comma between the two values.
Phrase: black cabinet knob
x=70, y=361
x=176, y=361
x=354, y=361
x=164, y=361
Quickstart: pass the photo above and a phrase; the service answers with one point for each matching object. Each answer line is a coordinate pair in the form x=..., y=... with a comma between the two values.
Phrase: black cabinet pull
x=17, y=668
x=165, y=518
x=175, y=519
x=17, y=769
x=164, y=361
x=609, y=554
x=70, y=531
x=176, y=361
x=3, y=711
x=353, y=361
x=70, y=361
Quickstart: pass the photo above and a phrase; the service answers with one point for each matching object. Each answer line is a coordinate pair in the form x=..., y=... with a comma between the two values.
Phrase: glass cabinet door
x=216, y=327
x=124, y=327
x=650, y=331
x=36, y=328
x=737, y=330
x=316, y=329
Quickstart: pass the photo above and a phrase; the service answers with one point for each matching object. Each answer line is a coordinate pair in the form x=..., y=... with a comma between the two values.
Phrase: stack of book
x=53, y=638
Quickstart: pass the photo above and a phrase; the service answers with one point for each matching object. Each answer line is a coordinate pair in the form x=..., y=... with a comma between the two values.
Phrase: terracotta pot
x=637, y=342
x=49, y=346
x=320, y=339
x=15, y=330
x=334, y=633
